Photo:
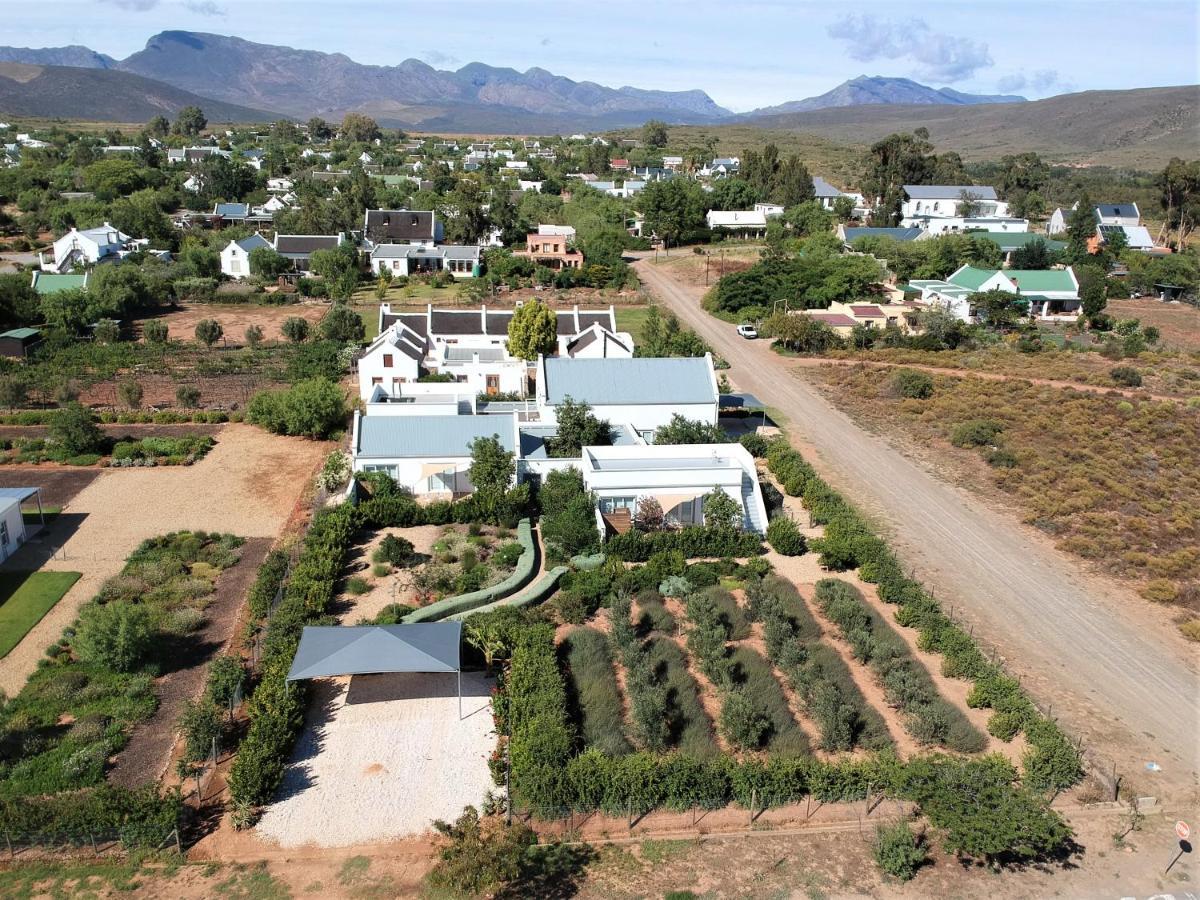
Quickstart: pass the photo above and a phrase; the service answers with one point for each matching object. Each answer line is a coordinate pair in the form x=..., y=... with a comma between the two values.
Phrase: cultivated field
x=247, y=485
x=236, y=318
x=1178, y=322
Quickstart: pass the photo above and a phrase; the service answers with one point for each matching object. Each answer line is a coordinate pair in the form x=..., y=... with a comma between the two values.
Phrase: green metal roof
x=50, y=283
x=21, y=334
x=971, y=278
x=1039, y=280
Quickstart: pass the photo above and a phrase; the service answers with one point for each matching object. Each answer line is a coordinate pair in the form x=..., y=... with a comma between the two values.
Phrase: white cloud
x=204, y=8
x=438, y=58
x=1040, y=81
x=134, y=5
x=936, y=56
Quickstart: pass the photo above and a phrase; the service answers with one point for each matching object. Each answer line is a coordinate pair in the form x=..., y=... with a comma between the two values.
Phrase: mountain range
x=302, y=83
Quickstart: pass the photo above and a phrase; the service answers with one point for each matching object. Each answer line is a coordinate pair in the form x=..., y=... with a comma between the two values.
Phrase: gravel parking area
x=382, y=757
x=248, y=485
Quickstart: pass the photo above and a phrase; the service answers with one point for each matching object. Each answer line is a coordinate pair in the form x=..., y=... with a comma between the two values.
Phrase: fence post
x=753, y=803
x=178, y=842
x=8, y=841
x=630, y=805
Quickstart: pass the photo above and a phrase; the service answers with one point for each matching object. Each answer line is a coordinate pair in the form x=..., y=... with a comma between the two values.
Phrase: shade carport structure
x=328, y=651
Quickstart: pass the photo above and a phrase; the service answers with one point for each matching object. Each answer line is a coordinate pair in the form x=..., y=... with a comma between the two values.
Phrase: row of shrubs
x=976, y=803
x=108, y=417
x=814, y=669
x=276, y=708
x=694, y=542
x=1052, y=762
x=928, y=716
x=139, y=818
x=382, y=504
x=162, y=451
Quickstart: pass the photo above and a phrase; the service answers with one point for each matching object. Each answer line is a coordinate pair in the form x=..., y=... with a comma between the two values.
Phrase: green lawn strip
x=28, y=596
x=49, y=513
x=632, y=319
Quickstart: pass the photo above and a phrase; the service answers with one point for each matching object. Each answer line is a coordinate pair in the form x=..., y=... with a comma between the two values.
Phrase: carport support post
x=460, y=695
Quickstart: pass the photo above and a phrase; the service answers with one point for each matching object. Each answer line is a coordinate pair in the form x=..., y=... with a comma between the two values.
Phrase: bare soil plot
x=706, y=268
x=231, y=391
x=148, y=752
x=393, y=588
x=1178, y=323
x=59, y=484
x=382, y=757
x=247, y=485
x=236, y=318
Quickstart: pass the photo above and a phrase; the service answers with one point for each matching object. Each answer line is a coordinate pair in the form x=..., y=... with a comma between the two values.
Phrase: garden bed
x=24, y=598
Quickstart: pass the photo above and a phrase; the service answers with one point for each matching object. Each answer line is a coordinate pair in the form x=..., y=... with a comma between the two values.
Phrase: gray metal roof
x=822, y=188
x=331, y=650
x=468, y=354
x=1116, y=210
x=406, y=437
x=18, y=493
x=953, y=191
x=605, y=382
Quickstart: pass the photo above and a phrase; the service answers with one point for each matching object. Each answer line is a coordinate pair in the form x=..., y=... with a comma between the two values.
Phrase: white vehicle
x=748, y=331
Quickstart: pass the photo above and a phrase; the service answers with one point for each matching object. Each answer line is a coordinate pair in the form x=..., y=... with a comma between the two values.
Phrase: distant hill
x=104, y=95
x=304, y=83
x=874, y=90
x=74, y=55
x=1141, y=128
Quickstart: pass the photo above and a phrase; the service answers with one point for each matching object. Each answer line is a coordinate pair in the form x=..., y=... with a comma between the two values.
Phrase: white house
x=1137, y=237
x=235, y=258
x=925, y=202
x=938, y=225
x=394, y=358
x=429, y=455
x=279, y=185
x=485, y=327
x=743, y=222
x=769, y=209
x=1052, y=293
x=567, y=231
x=12, y=525
x=641, y=392
x=461, y=261
x=1058, y=220
x=1118, y=214
x=89, y=247
x=677, y=476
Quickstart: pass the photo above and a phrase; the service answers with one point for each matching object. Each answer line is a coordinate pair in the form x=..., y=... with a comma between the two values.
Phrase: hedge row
x=974, y=802
x=266, y=584
x=464, y=603
x=693, y=542
x=534, y=593
x=813, y=668
x=139, y=818
x=906, y=684
x=849, y=541
x=276, y=708
x=162, y=417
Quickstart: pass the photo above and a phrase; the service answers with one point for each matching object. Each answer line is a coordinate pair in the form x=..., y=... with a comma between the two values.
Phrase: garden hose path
x=1116, y=675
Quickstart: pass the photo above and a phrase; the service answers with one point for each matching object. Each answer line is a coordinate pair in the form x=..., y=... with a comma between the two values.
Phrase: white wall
x=371, y=367
x=14, y=524
x=235, y=262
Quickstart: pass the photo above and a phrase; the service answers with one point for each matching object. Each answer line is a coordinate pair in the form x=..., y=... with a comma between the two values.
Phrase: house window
x=396, y=265
x=4, y=538
x=387, y=360
x=689, y=512
x=617, y=504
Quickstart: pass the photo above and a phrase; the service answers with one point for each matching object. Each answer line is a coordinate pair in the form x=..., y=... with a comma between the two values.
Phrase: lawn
x=27, y=597
x=632, y=319
x=49, y=513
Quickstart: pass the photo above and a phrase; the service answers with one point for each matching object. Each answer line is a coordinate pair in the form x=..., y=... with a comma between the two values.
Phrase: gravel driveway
x=382, y=757
x=247, y=485
x=1121, y=680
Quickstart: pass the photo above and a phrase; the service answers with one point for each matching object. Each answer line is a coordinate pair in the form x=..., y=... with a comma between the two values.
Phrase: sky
x=743, y=54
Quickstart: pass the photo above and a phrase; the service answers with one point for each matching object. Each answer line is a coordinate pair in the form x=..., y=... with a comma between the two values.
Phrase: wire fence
x=97, y=842
x=713, y=814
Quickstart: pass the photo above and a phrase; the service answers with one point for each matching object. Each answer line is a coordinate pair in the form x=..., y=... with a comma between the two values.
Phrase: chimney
x=483, y=319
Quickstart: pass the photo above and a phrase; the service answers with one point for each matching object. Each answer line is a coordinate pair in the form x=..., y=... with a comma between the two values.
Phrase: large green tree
x=190, y=121
x=492, y=471
x=532, y=330
x=578, y=427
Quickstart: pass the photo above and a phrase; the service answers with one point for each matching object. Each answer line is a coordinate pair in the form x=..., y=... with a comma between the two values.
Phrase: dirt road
x=1118, y=678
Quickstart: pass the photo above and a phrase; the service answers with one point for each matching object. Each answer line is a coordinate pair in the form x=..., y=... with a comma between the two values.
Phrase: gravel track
x=246, y=485
x=1116, y=674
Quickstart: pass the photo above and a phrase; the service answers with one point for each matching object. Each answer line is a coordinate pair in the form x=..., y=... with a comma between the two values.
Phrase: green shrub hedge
x=693, y=542
x=784, y=536
x=930, y=718
x=849, y=538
